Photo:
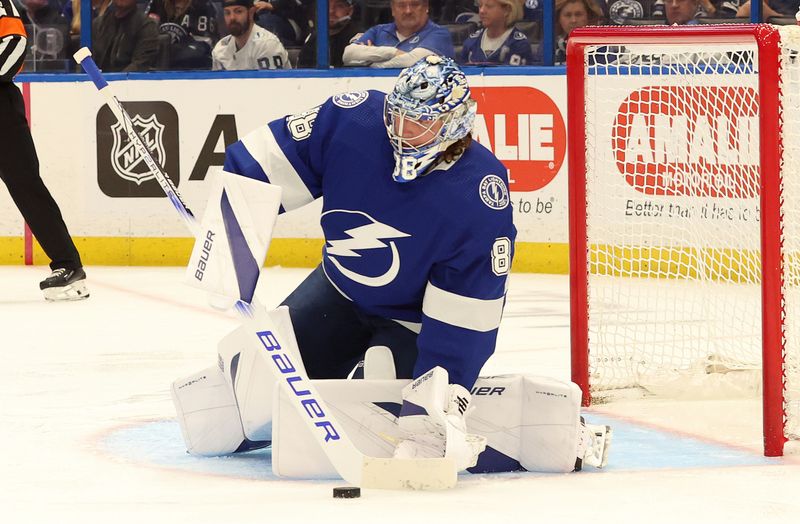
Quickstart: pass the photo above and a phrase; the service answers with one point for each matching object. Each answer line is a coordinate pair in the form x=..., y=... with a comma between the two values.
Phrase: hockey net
x=684, y=184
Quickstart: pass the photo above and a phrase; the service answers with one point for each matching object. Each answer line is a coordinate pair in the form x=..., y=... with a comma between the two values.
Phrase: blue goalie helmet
x=428, y=110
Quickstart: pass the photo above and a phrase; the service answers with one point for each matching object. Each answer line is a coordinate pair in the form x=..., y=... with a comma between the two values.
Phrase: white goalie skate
x=594, y=442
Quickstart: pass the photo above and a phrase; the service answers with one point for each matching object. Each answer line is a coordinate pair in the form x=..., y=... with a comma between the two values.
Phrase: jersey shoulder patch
x=350, y=100
x=494, y=192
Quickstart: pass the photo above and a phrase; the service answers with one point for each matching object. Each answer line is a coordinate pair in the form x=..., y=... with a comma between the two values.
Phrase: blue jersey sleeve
x=286, y=152
x=465, y=294
x=369, y=35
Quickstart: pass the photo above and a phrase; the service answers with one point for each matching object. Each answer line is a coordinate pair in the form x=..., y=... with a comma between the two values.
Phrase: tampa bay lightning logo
x=348, y=100
x=494, y=192
x=360, y=247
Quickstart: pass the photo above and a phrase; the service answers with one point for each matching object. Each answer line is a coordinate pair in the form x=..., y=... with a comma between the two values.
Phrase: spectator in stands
x=72, y=12
x=42, y=12
x=73, y=6
x=192, y=28
x=341, y=30
x=681, y=12
x=704, y=9
x=498, y=41
x=248, y=46
x=771, y=8
x=728, y=8
x=99, y=7
x=618, y=12
x=124, y=39
x=286, y=19
x=569, y=15
x=403, y=42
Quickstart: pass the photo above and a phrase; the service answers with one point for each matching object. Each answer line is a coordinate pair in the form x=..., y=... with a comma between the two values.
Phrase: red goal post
x=676, y=141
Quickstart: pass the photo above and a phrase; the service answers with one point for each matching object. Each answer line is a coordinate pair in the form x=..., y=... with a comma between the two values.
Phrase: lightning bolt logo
x=368, y=236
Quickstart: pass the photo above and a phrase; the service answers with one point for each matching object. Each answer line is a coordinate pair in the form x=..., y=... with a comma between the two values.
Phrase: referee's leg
x=19, y=169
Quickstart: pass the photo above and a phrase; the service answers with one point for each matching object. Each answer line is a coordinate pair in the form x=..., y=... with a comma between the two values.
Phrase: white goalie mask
x=428, y=110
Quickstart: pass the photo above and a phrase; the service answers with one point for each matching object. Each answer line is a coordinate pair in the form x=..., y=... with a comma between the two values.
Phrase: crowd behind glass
x=152, y=35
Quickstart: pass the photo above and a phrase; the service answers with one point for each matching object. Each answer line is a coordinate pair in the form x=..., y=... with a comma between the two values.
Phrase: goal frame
x=770, y=153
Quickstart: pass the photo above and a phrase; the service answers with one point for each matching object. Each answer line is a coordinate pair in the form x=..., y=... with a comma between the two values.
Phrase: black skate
x=65, y=284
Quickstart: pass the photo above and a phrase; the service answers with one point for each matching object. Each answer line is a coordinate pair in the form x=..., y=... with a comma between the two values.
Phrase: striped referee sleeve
x=12, y=41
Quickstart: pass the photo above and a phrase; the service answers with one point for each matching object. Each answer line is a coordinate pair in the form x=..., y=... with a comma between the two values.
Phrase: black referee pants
x=19, y=169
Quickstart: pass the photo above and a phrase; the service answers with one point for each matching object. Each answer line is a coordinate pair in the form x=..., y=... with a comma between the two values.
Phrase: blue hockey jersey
x=432, y=37
x=433, y=253
x=516, y=50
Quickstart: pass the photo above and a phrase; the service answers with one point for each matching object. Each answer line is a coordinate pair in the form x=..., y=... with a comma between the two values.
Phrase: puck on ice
x=346, y=493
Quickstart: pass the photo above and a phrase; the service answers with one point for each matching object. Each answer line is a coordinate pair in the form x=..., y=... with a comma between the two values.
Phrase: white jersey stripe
x=457, y=310
x=14, y=56
x=263, y=147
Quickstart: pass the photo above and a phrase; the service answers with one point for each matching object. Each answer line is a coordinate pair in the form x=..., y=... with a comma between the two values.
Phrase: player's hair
x=456, y=149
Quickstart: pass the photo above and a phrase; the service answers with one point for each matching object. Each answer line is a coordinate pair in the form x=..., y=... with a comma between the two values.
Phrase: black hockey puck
x=346, y=492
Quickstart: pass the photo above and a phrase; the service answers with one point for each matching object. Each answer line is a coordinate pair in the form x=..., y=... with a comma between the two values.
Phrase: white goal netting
x=673, y=218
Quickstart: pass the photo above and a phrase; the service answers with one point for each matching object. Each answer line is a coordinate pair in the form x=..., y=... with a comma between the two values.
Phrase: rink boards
x=116, y=211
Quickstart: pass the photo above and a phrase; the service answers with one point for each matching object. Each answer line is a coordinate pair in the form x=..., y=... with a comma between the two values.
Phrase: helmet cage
x=432, y=96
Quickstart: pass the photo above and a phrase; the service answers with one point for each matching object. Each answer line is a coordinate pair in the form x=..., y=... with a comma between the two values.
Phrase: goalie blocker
x=529, y=422
x=233, y=238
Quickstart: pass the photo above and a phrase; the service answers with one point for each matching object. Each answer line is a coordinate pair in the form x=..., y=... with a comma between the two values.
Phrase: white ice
x=74, y=374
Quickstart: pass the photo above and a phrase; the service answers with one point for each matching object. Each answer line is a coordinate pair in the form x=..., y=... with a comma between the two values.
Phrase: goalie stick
x=353, y=466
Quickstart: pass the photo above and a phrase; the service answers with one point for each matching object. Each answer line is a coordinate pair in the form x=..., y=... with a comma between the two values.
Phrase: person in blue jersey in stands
x=498, y=41
x=403, y=42
x=419, y=240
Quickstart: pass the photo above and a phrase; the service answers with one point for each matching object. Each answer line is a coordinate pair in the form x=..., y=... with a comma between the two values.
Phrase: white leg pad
x=550, y=425
x=243, y=360
x=207, y=413
x=529, y=419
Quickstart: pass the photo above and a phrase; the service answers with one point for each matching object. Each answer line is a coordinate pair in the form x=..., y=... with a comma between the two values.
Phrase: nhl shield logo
x=126, y=160
x=121, y=170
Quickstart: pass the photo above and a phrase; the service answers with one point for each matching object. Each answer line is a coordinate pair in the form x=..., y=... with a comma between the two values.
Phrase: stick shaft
x=89, y=65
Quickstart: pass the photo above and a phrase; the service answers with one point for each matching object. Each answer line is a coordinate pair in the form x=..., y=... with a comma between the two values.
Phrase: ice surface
x=88, y=433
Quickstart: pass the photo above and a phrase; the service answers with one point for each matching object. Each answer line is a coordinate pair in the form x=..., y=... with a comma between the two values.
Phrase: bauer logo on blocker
x=121, y=170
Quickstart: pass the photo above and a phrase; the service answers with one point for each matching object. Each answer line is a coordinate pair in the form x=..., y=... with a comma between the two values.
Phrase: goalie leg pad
x=244, y=362
x=207, y=413
x=531, y=422
x=551, y=425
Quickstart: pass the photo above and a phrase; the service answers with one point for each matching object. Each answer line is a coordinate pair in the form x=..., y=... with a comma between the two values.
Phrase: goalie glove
x=433, y=420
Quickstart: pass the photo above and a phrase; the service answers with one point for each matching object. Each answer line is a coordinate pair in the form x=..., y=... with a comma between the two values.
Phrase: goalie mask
x=428, y=110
